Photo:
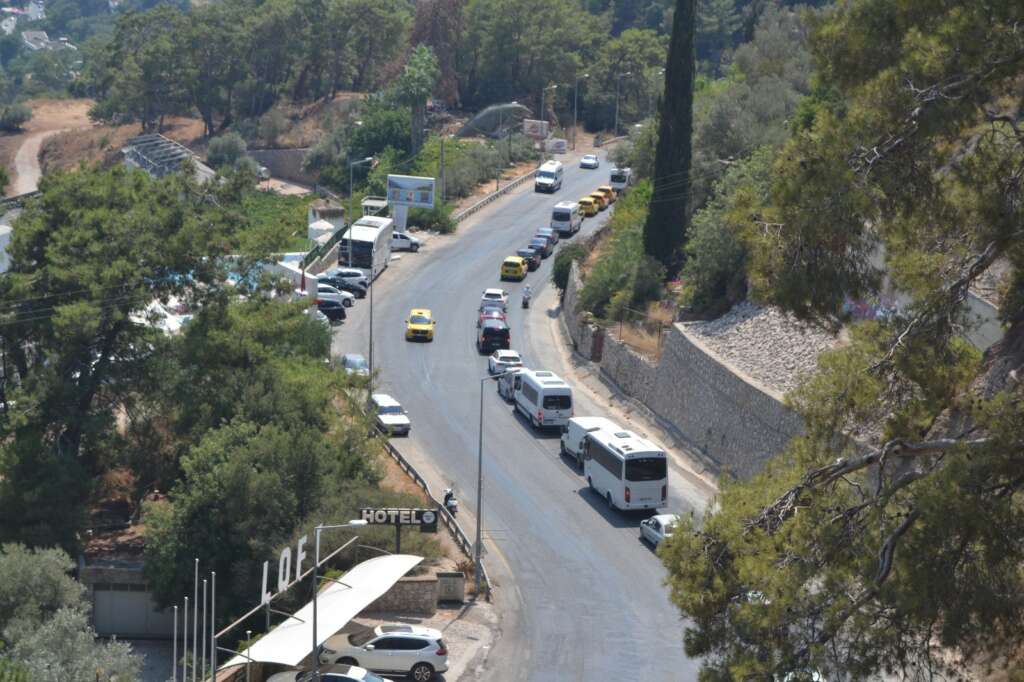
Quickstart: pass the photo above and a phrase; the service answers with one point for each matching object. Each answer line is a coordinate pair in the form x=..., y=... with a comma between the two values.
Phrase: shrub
x=13, y=116
x=226, y=150
x=564, y=259
x=438, y=218
x=272, y=124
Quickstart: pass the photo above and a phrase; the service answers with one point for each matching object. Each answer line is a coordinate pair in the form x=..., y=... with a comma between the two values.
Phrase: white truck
x=620, y=179
x=575, y=433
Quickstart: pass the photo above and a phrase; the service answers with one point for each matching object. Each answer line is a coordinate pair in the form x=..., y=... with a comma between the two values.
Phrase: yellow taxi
x=419, y=326
x=514, y=268
x=588, y=206
x=608, y=192
x=600, y=199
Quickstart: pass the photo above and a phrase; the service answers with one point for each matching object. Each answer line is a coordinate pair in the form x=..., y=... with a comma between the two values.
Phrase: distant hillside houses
x=39, y=40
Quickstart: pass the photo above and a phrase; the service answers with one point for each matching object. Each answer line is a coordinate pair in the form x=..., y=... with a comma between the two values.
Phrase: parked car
x=542, y=245
x=332, y=310
x=330, y=673
x=608, y=192
x=419, y=326
x=590, y=161
x=353, y=363
x=549, y=232
x=325, y=292
x=355, y=288
x=531, y=256
x=403, y=241
x=492, y=335
x=503, y=360
x=495, y=296
x=599, y=199
x=319, y=316
x=588, y=206
x=391, y=418
x=490, y=313
x=514, y=268
x=349, y=274
x=658, y=527
x=411, y=650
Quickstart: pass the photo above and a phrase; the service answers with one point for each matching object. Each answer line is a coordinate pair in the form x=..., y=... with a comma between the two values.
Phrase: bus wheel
x=608, y=499
x=590, y=483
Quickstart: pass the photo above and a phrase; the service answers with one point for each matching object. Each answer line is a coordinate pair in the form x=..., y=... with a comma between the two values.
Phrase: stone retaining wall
x=413, y=596
x=285, y=164
x=724, y=414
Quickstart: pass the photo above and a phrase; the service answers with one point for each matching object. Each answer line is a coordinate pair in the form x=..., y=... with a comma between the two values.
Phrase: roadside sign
x=426, y=519
x=538, y=130
x=409, y=190
x=556, y=145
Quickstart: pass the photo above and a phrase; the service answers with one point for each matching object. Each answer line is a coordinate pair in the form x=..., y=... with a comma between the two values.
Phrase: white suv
x=349, y=275
x=404, y=649
x=403, y=241
x=333, y=673
x=499, y=296
x=391, y=418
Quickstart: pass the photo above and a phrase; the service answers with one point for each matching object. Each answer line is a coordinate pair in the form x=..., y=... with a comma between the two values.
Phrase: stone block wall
x=731, y=419
x=413, y=596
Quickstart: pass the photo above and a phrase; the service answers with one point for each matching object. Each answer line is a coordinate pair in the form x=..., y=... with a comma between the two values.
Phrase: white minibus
x=548, y=177
x=566, y=217
x=628, y=471
x=543, y=398
x=574, y=437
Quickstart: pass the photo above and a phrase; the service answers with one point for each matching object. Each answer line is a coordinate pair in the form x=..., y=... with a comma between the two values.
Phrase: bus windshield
x=646, y=469
x=362, y=254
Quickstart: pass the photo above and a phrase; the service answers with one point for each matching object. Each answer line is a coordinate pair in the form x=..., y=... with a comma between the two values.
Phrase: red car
x=490, y=313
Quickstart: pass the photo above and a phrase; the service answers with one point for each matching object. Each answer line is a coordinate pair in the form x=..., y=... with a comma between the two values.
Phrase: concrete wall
x=285, y=164
x=413, y=596
x=717, y=410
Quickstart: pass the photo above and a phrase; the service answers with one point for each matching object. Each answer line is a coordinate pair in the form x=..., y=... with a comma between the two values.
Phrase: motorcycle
x=526, y=299
x=450, y=503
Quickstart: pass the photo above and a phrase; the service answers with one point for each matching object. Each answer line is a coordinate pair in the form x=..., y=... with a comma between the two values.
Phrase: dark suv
x=532, y=257
x=492, y=335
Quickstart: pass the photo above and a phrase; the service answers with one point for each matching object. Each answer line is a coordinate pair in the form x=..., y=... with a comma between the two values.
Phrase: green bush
x=226, y=150
x=13, y=116
x=438, y=218
x=564, y=259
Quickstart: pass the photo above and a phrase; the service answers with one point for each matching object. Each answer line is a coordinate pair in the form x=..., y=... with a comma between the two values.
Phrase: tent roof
x=337, y=604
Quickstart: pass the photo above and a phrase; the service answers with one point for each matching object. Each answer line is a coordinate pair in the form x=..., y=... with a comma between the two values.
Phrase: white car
x=353, y=363
x=325, y=292
x=403, y=241
x=349, y=275
x=495, y=296
x=506, y=383
x=659, y=527
x=590, y=161
x=319, y=317
x=391, y=418
x=503, y=360
x=330, y=673
x=410, y=650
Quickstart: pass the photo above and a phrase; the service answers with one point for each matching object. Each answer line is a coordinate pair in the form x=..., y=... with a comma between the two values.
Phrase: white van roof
x=626, y=443
x=551, y=165
x=546, y=379
x=590, y=424
x=568, y=205
x=384, y=400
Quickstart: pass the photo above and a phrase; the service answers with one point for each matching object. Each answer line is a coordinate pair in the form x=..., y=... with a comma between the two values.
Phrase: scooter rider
x=526, y=296
x=450, y=503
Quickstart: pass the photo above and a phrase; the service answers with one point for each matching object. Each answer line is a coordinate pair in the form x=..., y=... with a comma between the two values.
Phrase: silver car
x=659, y=527
x=590, y=161
x=409, y=650
x=332, y=673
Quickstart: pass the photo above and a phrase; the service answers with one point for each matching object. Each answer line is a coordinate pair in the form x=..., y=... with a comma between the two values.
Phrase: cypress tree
x=669, y=215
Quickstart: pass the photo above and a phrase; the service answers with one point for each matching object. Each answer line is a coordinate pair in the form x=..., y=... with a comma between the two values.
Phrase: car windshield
x=646, y=469
x=356, y=362
x=525, y=253
x=361, y=638
x=539, y=242
x=419, y=319
x=391, y=409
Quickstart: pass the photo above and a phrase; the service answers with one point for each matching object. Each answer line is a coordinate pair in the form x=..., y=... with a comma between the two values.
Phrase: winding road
x=580, y=594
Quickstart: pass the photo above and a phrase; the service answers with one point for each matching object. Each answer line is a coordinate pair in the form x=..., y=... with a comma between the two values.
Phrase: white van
x=566, y=217
x=574, y=436
x=543, y=398
x=620, y=179
x=548, y=177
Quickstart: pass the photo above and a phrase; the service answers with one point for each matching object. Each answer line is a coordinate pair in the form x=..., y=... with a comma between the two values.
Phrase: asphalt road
x=581, y=595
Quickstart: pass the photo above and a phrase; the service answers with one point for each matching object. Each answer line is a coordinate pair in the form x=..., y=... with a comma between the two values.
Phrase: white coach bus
x=628, y=471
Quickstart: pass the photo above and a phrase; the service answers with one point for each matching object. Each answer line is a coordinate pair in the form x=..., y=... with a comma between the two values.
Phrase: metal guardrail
x=466, y=212
x=459, y=535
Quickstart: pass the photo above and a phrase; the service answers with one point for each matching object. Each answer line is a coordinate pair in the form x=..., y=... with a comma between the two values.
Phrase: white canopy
x=292, y=640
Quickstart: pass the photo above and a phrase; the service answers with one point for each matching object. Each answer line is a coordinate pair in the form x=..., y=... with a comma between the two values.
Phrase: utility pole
x=618, y=83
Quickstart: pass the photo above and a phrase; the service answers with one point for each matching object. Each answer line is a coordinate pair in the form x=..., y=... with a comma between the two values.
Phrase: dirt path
x=20, y=153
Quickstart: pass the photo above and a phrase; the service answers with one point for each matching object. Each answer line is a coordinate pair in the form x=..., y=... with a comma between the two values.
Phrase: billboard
x=538, y=130
x=556, y=145
x=408, y=190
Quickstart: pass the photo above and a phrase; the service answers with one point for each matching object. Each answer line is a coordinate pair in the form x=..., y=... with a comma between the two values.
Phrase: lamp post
x=355, y=523
x=478, y=570
x=351, y=171
x=618, y=83
x=650, y=97
x=575, y=103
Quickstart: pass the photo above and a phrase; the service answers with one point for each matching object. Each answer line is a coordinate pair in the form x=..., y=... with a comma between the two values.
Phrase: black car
x=334, y=311
x=532, y=257
x=492, y=335
x=542, y=245
x=354, y=288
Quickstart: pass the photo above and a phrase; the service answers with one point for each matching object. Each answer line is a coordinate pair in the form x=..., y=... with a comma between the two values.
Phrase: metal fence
x=638, y=331
x=493, y=196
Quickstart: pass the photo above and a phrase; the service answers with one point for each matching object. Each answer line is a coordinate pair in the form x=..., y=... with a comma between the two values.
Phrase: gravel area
x=766, y=344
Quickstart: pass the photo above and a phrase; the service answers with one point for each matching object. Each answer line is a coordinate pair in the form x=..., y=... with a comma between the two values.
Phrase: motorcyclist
x=450, y=502
x=526, y=296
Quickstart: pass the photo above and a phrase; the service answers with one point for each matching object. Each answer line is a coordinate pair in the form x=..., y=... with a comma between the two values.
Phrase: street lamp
x=478, y=570
x=355, y=523
x=618, y=83
x=575, y=103
x=351, y=169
